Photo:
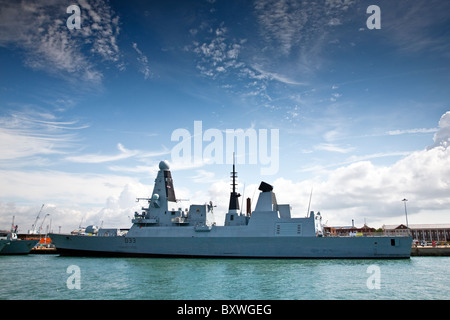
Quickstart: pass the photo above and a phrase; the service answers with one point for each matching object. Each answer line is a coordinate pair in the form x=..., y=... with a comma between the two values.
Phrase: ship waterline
x=233, y=247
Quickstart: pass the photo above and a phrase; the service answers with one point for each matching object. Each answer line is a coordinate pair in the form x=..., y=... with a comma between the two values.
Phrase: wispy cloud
x=99, y=158
x=32, y=134
x=355, y=159
x=366, y=157
x=281, y=22
x=204, y=176
x=221, y=56
x=40, y=29
x=333, y=148
x=411, y=131
x=142, y=59
x=276, y=76
x=123, y=153
x=294, y=35
x=292, y=25
x=101, y=28
x=147, y=158
x=218, y=55
x=417, y=28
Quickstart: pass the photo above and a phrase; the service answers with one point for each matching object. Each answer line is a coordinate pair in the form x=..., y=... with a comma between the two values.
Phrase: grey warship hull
x=234, y=247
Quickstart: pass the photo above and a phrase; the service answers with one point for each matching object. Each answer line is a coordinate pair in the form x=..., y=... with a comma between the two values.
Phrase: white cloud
x=442, y=136
x=89, y=197
x=58, y=186
x=119, y=210
x=362, y=190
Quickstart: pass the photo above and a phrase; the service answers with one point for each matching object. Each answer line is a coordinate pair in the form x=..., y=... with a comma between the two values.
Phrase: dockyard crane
x=33, y=226
x=43, y=220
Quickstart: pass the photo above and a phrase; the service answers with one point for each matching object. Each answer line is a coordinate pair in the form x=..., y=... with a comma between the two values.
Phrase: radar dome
x=164, y=165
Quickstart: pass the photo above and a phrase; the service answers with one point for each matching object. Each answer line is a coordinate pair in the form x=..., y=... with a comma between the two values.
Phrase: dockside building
x=425, y=232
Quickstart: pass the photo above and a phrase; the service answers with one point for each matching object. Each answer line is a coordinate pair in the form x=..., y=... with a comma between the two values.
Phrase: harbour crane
x=33, y=226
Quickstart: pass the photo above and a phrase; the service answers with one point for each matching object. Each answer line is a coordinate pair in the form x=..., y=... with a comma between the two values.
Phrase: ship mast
x=234, y=202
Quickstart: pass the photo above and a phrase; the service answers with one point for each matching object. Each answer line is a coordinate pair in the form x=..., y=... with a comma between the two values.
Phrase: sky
x=309, y=96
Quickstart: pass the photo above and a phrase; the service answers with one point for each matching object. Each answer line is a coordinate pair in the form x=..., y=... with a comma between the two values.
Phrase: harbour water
x=48, y=277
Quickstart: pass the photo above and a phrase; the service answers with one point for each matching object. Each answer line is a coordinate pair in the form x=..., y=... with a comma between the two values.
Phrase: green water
x=47, y=277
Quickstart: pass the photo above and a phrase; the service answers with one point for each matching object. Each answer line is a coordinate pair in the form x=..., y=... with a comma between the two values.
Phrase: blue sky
x=86, y=115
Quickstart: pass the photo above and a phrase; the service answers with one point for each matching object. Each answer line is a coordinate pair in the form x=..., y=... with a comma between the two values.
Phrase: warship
x=269, y=231
x=10, y=244
x=3, y=243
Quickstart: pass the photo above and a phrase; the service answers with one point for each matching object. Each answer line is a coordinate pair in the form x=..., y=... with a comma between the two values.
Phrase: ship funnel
x=267, y=200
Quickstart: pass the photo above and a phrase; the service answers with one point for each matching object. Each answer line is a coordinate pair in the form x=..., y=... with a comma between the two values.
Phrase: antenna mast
x=234, y=203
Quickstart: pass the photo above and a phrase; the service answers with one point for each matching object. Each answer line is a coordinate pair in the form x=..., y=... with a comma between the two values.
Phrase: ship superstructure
x=270, y=231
